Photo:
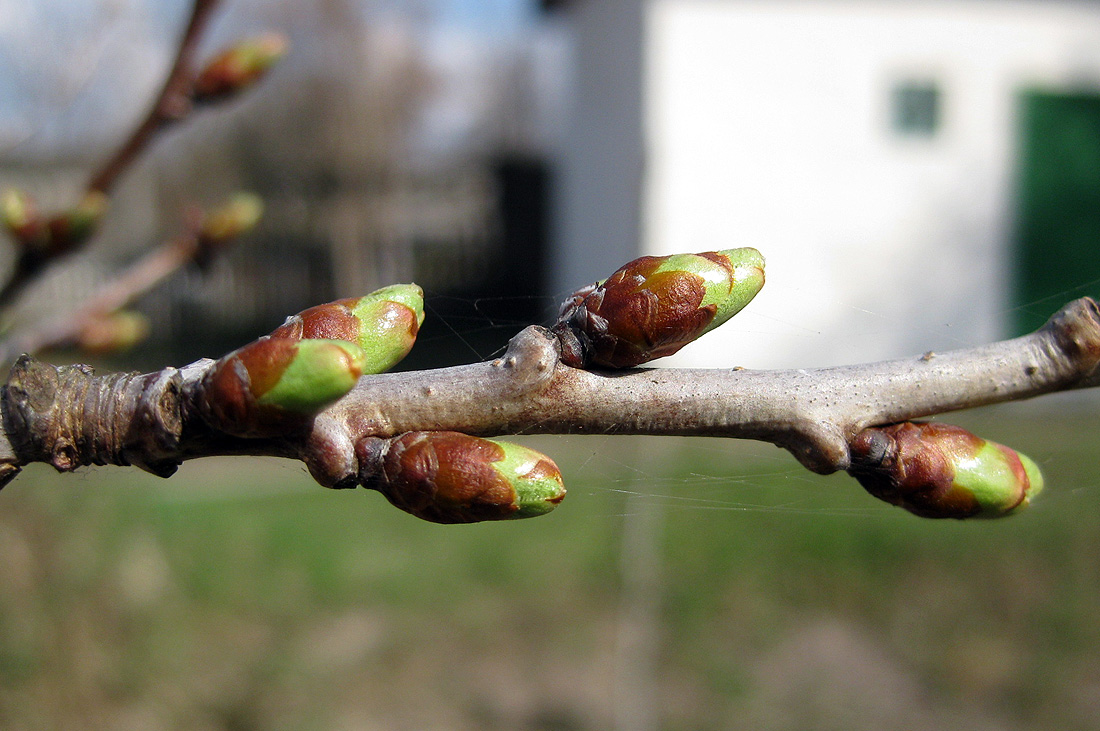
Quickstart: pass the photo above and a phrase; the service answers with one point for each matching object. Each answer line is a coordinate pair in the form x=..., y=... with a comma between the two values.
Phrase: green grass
x=239, y=595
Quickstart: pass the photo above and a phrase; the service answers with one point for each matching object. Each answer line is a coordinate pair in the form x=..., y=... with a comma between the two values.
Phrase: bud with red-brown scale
x=943, y=471
x=656, y=305
x=57, y=234
x=383, y=323
x=71, y=228
x=238, y=67
x=448, y=477
x=273, y=385
x=23, y=220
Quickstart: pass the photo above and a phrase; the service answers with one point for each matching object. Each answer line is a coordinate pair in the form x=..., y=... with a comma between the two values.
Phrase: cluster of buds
x=656, y=305
x=45, y=236
x=238, y=67
x=943, y=471
x=448, y=477
x=276, y=383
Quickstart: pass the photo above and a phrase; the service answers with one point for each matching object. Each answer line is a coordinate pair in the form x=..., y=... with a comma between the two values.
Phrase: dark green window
x=915, y=108
x=1058, y=203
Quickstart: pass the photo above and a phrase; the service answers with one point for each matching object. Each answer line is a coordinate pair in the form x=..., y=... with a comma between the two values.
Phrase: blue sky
x=40, y=40
x=487, y=14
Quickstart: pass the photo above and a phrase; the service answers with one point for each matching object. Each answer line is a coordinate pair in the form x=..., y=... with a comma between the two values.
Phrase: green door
x=1058, y=214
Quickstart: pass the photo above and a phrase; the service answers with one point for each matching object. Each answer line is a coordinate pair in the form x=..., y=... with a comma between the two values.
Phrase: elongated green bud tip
x=389, y=320
x=534, y=478
x=383, y=323
x=320, y=372
x=943, y=471
x=449, y=477
x=655, y=305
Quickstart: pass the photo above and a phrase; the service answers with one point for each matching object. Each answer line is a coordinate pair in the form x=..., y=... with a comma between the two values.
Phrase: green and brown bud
x=23, y=219
x=943, y=471
x=656, y=305
x=69, y=229
x=275, y=384
x=60, y=233
x=448, y=477
x=113, y=332
x=383, y=323
x=235, y=217
x=238, y=67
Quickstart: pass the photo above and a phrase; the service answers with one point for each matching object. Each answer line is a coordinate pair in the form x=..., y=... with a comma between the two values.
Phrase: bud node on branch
x=68, y=417
x=1076, y=330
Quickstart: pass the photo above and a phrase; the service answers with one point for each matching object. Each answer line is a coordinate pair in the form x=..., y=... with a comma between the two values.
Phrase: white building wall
x=768, y=125
x=601, y=166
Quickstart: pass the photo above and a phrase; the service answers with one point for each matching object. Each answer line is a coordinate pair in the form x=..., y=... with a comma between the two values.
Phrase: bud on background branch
x=238, y=67
x=22, y=219
x=41, y=237
x=943, y=471
x=656, y=305
x=112, y=332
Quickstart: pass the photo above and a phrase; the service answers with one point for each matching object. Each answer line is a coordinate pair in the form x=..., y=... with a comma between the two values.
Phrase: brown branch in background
x=139, y=278
x=205, y=236
x=42, y=239
x=171, y=105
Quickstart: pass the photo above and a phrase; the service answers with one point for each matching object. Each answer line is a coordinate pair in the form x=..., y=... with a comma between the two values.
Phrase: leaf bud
x=69, y=229
x=655, y=305
x=238, y=67
x=23, y=220
x=383, y=323
x=113, y=332
x=448, y=477
x=943, y=471
x=235, y=217
x=274, y=384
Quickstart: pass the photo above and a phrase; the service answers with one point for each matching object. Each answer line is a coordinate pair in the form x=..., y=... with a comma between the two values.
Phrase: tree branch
x=138, y=279
x=814, y=413
x=172, y=104
x=67, y=417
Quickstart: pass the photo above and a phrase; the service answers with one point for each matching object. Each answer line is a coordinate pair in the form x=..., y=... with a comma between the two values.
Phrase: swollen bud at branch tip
x=238, y=67
x=273, y=384
x=383, y=323
x=655, y=305
x=943, y=471
x=448, y=477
